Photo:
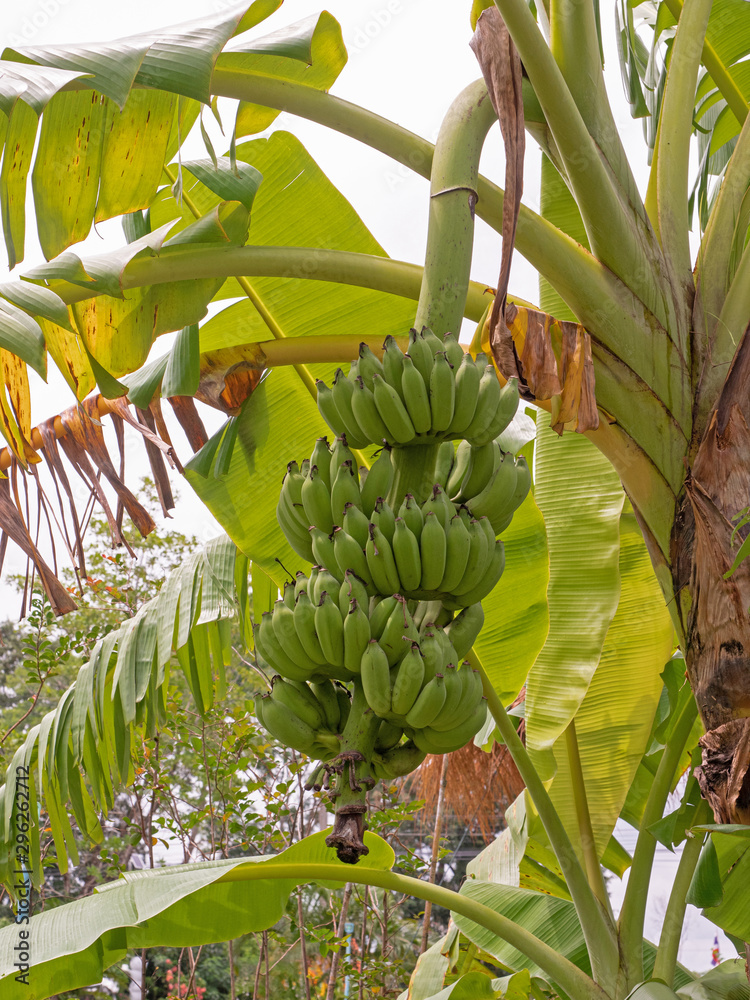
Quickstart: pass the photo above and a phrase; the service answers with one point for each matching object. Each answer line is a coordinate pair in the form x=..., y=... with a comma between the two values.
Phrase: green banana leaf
x=516, y=611
x=581, y=498
x=186, y=905
x=722, y=877
x=613, y=723
x=90, y=728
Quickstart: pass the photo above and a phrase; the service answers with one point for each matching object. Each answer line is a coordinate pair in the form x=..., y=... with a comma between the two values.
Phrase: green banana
x=416, y=397
x=398, y=630
x=270, y=649
x=470, y=696
x=299, y=700
x=304, y=625
x=392, y=411
x=340, y=453
x=356, y=637
x=342, y=393
x=446, y=741
x=325, y=693
x=477, y=563
x=355, y=523
x=489, y=531
x=393, y=363
x=429, y=702
x=330, y=628
x=398, y=761
x=440, y=505
x=288, y=728
x=284, y=629
x=468, y=377
x=376, y=680
x=383, y=517
x=421, y=355
x=505, y=411
x=366, y=413
x=325, y=582
x=465, y=628
x=316, y=500
x=406, y=553
x=297, y=536
x=408, y=682
x=442, y=393
x=453, y=350
x=378, y=482
x=493, y=572
x=497, y=498
x=488, y=398
x=328, y=408
x=321, y=457
x=348, y=553
x=481, y=468
x=300, y=583
x=323, y=551
x=411, y=512
x=444, y=463
x=388, y=736
x=369, y=364
x=345, y=490
x=523, y=482
x=432, y=652
x=380, y=614
x=459, y=470
x=381, y=563
x=434, y=343
x=457, y=547
x=288, y=595
x=432, y=546
x=447, y=716
x=352, y=589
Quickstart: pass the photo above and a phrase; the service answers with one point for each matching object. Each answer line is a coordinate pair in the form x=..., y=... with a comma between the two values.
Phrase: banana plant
x=640, y=350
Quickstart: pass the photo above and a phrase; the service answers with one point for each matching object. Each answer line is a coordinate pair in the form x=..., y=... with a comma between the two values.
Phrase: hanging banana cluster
x=435, y=391
x=367, y=652
x=411, y=677
x=335, y=515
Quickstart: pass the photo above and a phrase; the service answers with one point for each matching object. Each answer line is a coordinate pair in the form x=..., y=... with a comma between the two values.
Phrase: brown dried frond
x=479, y=787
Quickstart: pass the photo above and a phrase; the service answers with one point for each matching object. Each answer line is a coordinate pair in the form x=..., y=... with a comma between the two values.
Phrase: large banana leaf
x=186, y=905
x=581, y=498
x=102, y=151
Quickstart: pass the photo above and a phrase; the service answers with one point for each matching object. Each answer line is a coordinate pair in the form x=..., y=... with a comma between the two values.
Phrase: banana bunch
x=438, y=705
x=327, y=491
x=305, y=717
x=490, y=482
x=434, y=391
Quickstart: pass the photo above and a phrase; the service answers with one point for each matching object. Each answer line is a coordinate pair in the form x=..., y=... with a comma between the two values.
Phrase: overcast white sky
x=408, y=59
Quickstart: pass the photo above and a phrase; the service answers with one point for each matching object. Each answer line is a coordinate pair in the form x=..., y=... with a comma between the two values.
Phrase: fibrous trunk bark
x=714, y=610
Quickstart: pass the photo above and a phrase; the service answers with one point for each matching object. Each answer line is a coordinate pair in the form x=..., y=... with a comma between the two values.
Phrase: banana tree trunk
x=714, y=610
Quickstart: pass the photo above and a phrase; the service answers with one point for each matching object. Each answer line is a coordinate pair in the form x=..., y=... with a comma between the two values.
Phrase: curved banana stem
x=561, y=970
x=598, y=930
x=453, y=195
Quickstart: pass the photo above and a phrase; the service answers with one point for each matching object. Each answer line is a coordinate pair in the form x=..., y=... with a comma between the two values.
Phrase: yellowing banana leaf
x=107, y=143
x=581, y=498
x=613, y=723
x=65, y=179
x=186, y=905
